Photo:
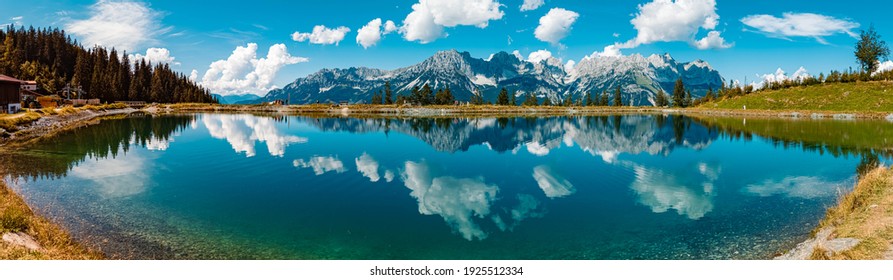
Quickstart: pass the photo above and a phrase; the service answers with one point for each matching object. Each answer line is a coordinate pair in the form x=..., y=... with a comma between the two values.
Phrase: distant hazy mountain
x=639, y=77
x=234, y=99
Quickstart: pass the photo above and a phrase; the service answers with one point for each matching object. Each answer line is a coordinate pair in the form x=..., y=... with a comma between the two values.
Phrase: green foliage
x=661, y=100
x=444, y=97
x=53, y=60
x=387, y=93
x=513, y=101
x=679, y=94
x=589, y=101
x=503, y=98
x=849, y=97
x=618, y=101
x=530, y=100
x=568, y=101
x=603, y=101
x=870, y=49
x=12, y=220
x=376, y=98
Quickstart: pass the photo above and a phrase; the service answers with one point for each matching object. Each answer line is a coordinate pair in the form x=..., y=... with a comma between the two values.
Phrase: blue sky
x=757, y=37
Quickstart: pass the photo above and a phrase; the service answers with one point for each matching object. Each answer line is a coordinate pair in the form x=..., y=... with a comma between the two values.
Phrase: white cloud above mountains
x=801, y=25
x=530, y=5
x=677, y=21
x=322, y=35
x=370, y=34
x=713, y=41
x=124, y=25
x=555, y=25
x=155, y=56
x=243, y=72
x=428, y=18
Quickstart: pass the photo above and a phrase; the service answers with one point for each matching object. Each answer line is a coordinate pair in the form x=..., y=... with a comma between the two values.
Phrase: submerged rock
x=23, y=240
x=804, y=250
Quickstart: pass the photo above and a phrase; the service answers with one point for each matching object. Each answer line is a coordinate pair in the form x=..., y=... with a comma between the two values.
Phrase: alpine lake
x=241, y=186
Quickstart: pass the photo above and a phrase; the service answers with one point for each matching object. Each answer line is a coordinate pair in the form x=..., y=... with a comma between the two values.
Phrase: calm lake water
x=226, y=186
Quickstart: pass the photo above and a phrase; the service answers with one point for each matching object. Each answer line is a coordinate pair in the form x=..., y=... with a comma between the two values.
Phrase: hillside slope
x=843, y=97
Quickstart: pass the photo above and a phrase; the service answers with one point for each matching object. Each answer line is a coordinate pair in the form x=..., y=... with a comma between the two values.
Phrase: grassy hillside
x=843, y=97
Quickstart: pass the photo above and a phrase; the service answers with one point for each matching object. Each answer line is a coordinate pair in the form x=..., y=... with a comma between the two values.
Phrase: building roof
x=8, y=79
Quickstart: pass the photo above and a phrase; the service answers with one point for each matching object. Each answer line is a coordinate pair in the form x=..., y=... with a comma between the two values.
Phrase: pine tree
x=503, y=97
x=529, y=100
x=688, y=99
x=376, y=98
x=547, y=101
x=427, y=95
x=679, y=94
x=387, y=93
x=589, y=99
x=661, y=100
x=618, y=101
x=603, y=100
x=569, y=101
x=513, y=101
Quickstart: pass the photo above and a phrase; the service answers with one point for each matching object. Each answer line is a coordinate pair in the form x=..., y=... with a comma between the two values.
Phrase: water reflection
x=457, y=200
x=321, y=165
x=242, y=131
x=690, y=195
x=116, y=177
x=807, y=187
x=548, y=161
x=552, y=184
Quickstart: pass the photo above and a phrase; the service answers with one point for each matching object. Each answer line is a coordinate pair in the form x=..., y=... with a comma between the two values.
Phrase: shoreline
x=858, y=227
x=25, y=234
x=496, y=110
x=52, y=239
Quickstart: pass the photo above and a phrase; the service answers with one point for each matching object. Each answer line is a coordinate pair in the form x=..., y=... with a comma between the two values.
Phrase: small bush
x=12, y=221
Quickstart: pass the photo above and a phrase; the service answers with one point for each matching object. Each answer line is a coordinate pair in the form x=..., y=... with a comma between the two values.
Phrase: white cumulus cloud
x=370, y=34
x=428, y=18
x=555, y=25
x=672, y=21
x=322, y=35
x=712, y=41
x=884, y=66
x=243, y=72
x=155, y=56
x=124, y=25
x=539, y=55
x=800, y=25
x=530, y=5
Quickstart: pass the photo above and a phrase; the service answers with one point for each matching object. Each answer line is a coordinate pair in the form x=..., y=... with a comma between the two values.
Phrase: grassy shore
x=859, y=97
x=55, y=243
x=865, y=214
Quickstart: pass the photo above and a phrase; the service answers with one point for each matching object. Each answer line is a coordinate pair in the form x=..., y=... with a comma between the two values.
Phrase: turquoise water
x=219, y=186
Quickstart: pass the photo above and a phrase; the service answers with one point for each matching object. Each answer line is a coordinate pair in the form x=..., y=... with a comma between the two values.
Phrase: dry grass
x=866, y=214
x=12, y=122
x=16, y=216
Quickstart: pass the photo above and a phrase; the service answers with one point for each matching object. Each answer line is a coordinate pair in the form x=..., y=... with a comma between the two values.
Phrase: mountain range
x=639, y=77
